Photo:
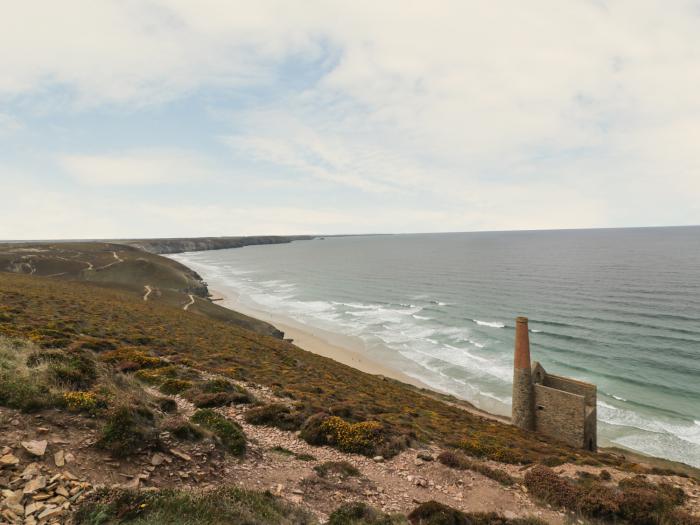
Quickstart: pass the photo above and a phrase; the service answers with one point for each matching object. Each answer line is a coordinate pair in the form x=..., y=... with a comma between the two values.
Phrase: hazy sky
x=196, y=117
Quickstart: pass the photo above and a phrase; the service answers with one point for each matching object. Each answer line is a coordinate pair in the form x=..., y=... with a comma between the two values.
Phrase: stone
x=179, y=454
x=31, y=470
x=35, y=447
x=8, y=460
x=55, y=511
x=157, y=459
x=425, y=456
x=378, y=459
x=132, y=484
x=59, y=458
x=70, y=458
x=35, y=485
x=61, y=491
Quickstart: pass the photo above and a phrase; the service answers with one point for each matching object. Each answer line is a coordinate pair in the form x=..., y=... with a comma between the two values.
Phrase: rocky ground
x=48, y=464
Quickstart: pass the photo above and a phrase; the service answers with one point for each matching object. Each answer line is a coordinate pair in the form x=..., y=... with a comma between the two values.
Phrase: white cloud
x=502, y=115
x=136, y=168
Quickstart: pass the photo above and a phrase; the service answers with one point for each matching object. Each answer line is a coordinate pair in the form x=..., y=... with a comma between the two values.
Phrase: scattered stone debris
x=36, y=496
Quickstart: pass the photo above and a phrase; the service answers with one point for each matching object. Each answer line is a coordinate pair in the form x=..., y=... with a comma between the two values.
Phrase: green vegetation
x=217, y=507
x=275, y=415
x=128, y=430
x=229, y=432
x=634, y=500
x=367, y=414
x=434, y=513
x=217, y=393
x=286, y=452
x=341, y=469
x=362, y=514
x=461, y=462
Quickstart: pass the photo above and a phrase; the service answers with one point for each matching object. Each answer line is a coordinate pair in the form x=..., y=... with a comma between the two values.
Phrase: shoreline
x=316, y=341
x=321, y=342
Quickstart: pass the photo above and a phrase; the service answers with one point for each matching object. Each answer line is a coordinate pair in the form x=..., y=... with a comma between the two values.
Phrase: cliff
x=196, y=244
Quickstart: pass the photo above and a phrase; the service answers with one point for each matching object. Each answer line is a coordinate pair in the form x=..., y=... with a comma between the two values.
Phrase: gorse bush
x=81, y=401
x=361, y=438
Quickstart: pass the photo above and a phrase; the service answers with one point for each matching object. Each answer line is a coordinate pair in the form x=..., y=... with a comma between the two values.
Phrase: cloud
x=9, y=125
x=136, y=168
x=469, y=115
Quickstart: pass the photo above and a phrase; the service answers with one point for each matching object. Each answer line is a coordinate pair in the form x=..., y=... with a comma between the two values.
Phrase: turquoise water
x=619, y=308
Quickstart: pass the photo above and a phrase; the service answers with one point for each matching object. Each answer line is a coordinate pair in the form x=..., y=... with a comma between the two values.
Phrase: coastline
x=326, y=344
x=312, y=339
x=351, y=351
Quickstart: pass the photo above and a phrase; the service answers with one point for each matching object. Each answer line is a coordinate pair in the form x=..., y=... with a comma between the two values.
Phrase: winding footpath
x=190, y=303
x=148, y=292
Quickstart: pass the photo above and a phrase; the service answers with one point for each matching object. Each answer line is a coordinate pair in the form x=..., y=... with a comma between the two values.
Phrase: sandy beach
x=315, y=340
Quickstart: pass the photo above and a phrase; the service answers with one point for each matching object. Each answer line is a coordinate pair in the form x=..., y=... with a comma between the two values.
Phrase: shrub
x=275, y=415
x=229, y=432
x=458, y=461
x=25, y=394
x=82, y=401
x=174, y=386
x=134, y=356
x=184, y=430
x=434, y=513
x=361, y=438
x=175, y=507
x=76, y=371
x=342, y=469
x=167, y=405
x=599, y=501
x=604, y=475
x=453, y=460
x=127, y=430
x=492, y=518
x=545, y=484
x=488, y=446
x=311, y=430
x=362, y=514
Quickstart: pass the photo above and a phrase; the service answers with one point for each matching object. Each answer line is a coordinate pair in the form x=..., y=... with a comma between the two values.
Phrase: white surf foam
x=492, y=324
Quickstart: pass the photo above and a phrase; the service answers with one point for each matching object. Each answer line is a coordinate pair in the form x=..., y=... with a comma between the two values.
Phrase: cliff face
x=178, y=245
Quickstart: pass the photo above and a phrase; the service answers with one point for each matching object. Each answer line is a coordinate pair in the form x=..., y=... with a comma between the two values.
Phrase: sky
x=124, y=119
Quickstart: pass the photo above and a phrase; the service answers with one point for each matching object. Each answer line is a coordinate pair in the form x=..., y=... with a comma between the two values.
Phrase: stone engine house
x=558, y=407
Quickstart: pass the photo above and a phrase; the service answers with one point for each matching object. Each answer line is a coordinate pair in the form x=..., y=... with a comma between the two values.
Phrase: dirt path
x=190, y=303
x=117, y=261
x=148, y=292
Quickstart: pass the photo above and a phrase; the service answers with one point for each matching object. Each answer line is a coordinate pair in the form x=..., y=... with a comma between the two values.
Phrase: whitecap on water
x=491, y=324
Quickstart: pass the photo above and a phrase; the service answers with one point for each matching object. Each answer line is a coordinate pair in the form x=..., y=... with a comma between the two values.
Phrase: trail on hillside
x=117, y=261
x=190, y=303
x=148, y=292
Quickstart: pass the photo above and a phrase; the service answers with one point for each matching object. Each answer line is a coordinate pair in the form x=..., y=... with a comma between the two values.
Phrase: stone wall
x=560, y=415
x=567, y=384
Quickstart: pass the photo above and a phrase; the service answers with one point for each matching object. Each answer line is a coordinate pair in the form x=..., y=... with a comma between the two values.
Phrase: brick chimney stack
x=523, y=414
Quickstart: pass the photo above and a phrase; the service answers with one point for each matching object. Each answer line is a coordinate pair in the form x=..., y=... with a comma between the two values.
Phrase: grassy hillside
x=125, y=268
x=55, y=313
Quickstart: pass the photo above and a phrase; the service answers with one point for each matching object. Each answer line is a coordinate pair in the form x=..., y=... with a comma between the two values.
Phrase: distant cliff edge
x=197, y=244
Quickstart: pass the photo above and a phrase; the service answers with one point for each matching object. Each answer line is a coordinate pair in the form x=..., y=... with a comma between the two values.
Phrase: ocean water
x=619, y=308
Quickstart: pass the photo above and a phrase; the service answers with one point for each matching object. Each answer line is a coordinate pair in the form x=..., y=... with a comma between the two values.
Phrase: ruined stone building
x=555, y=406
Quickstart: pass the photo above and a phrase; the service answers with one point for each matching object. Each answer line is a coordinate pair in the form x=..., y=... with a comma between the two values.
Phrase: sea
x=616, y=307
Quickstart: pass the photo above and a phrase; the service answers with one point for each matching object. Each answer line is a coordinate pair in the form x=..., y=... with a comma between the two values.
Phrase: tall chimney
x=523, y=414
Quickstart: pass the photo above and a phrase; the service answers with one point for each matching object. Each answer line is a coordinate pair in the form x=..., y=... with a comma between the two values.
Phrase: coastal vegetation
x=145, y=373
